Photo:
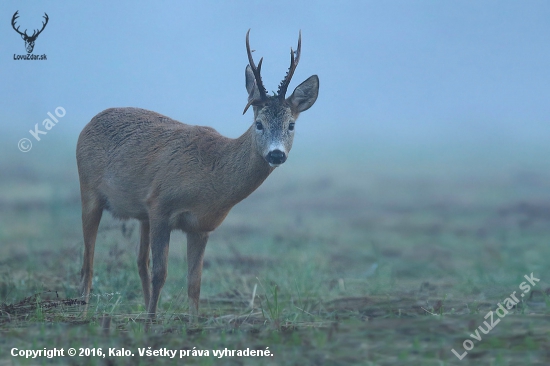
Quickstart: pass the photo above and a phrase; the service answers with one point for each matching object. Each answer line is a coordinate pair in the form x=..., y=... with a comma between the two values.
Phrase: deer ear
x=304, y=95
x=251, y=87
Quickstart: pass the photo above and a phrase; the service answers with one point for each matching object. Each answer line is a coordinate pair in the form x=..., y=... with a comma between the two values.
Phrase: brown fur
x=140, y=164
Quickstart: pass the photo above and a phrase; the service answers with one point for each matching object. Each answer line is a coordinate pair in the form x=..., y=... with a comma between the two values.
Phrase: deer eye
x=259, y=126
x=291, y=126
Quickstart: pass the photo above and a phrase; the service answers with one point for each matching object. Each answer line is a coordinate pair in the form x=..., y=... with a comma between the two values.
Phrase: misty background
x=428, y=82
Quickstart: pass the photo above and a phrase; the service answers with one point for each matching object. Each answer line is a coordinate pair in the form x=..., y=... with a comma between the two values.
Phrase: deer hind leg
x=143, y=261
x=160, y=239
x=196, y=243
x=91, y=216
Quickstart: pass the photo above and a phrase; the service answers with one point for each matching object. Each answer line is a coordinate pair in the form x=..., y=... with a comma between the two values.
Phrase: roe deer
x=140, y=164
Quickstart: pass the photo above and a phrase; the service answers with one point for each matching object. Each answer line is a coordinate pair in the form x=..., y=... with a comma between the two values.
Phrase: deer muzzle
x=276, y=157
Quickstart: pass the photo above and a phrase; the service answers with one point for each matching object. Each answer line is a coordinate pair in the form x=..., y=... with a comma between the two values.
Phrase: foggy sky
x=390, y=71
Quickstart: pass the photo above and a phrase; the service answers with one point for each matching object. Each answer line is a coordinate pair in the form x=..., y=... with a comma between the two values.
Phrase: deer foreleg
x=196, y=243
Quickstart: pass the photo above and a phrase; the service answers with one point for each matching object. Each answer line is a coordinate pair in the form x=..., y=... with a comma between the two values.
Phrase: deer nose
x=276, y=157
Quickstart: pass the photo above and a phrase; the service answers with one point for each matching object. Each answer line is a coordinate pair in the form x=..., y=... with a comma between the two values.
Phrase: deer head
x=29, y=40
x=275, y=116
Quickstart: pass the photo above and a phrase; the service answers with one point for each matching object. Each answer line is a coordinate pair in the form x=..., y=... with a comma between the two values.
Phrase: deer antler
x=24, y=34
x=34, y=35
x=13, y=19
x=257, y=76
x=293, y=63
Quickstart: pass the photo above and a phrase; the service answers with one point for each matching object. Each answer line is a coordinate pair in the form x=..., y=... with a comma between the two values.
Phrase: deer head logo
x=29, y=40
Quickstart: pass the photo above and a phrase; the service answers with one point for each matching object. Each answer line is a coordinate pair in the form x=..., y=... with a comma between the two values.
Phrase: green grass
x=325, y=265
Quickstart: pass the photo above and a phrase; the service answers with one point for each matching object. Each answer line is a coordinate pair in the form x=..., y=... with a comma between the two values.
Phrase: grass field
x=378, y=259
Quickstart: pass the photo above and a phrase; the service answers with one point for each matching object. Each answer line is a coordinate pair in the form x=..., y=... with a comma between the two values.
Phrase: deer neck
x=244, y=169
